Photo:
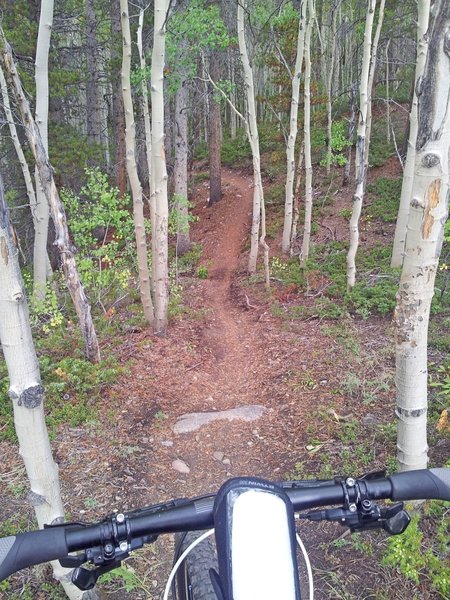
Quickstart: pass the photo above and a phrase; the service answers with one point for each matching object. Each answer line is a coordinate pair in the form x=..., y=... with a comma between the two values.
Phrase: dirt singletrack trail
x=221, y=354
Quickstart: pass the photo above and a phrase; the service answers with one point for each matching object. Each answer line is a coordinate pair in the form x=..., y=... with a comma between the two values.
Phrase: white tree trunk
x=307, y=139
x=329, y=81
x=62, y=241
x=135, y=184
x=180, y=168
x=252, y=134
x=360, y=148
x=18, y=148
x=290, y=148
x=424, y=238
x=146, y=113
x=27, y=393
x=372, y=70
x=408, y=171
x=159, y=173
x=41, y=213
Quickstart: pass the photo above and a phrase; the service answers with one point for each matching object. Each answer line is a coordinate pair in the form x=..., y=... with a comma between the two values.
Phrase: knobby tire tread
x=196, y=566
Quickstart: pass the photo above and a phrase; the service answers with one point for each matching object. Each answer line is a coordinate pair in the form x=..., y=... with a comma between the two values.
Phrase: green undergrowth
x=374, y=293
x=73, y=387
x=384, y=197
x=421, y=557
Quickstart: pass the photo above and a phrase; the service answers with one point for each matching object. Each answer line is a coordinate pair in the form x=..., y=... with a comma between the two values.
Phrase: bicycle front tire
x=193, y=581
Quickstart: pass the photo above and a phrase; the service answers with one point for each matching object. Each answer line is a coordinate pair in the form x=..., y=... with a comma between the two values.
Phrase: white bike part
x=261, y=553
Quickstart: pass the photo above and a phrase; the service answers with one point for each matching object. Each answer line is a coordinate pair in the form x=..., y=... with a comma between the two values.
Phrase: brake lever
x=85, y=579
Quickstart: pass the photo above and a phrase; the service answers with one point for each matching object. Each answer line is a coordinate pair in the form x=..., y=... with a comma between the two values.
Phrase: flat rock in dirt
x=193, y=421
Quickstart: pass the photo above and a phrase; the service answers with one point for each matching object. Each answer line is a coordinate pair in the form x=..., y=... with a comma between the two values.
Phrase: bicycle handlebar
x=56, y=542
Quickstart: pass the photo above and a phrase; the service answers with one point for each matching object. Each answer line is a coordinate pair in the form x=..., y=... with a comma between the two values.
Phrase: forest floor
x=325, y=389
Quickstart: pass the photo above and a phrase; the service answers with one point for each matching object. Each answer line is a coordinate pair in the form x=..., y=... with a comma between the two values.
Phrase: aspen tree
x=307, y=137
x=159, y=172
x=329, y=77
x=360, y=147
x=180, y=169
x=372, y=69
x=425, y=234
x=18, y=147
x=27, y=393
x=41, y=212
x=253, y=138
x=293, y=122
x=408, y=171
x=62, y=241
x=146, y=113
x=133, y=177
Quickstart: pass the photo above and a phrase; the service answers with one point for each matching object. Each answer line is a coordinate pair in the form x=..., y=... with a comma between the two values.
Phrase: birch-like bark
x=214, y=127
x=293, y=120
x=117, y=113
x=428, y=212
x=27, y=393
x=388, y=99
x=307, y=139
x=296, y=203
x=159, y=172
x=360, y=148
x=62, y=240
x=180, y=169
x=329, y=83
x=351, y=130
x=17, y=146
x=252, y=134
x=372, y=69
x=133, y=177
x=146, y=113
x=408, y=171
x=424, y=238
x=93, y=117
x=41, y=213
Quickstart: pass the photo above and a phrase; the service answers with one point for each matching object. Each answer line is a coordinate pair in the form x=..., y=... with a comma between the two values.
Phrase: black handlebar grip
x=422, y=484
x=27, y=549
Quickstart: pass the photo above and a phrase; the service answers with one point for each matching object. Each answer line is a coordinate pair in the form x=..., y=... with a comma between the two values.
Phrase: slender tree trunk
x=117, y=111
x=135, y=184
x=62, y=241
x=18, y=148
x=252, y=133
x=329, y=81
x=307, y=133
x=159, y=173
x=388, y=99
x=408, y=171
x=372, y=70
x=93, y=118
x=351, y=130
x=214, y=141
x=27, y=393
x=146, y=113
x=41, y=214
x=296, y=204
x=424, y=238
x=360, y=148
x=290, y=148
x=180, y=171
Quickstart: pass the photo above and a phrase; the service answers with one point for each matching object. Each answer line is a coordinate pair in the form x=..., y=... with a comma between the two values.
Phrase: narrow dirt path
x=219, y=355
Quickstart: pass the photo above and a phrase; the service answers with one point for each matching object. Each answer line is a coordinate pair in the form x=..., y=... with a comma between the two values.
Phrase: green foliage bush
x=407, y=554
x=236, y=152
x=102, y=228
x=72, y=388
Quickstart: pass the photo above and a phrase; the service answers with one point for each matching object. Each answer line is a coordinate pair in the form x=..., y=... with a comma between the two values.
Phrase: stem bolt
x=120, y=518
